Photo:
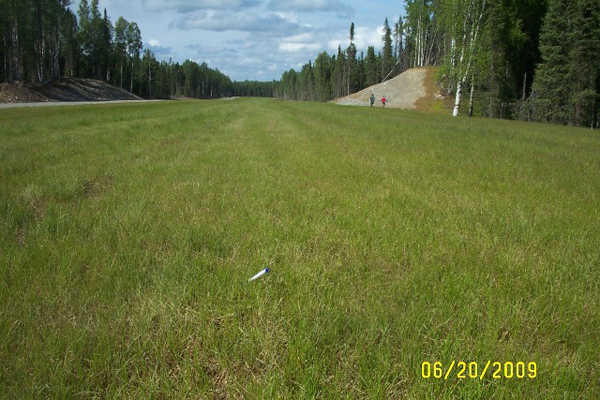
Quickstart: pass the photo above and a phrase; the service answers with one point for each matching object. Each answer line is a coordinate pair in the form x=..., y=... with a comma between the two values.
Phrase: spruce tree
x=551, y=83
x=306, y=82
x=322, y=77
x=338, y=74
x=352, y=66
x=371, y=67
x=388, y=57
x=584, y=63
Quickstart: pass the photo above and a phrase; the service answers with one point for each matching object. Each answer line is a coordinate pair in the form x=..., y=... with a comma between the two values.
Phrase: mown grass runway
x=393, y=238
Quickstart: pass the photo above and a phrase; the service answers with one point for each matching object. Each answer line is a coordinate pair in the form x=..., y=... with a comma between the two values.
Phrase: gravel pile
x=402, y=91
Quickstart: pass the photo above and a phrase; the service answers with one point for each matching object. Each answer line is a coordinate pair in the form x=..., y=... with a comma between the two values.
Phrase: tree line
x=44, y=40
x=347, y=71
x=519, y=59
x=533, y=60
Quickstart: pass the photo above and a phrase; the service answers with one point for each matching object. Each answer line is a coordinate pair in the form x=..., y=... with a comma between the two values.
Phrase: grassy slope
x=393, y=237
x=430, y=103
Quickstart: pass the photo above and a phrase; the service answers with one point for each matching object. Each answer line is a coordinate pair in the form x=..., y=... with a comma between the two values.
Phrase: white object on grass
x=261, y=273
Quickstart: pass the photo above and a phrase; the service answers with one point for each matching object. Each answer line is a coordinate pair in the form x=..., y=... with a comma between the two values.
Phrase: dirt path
x=402, y=91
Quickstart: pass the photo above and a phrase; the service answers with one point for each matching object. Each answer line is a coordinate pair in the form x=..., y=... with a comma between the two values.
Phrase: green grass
x=394, y=238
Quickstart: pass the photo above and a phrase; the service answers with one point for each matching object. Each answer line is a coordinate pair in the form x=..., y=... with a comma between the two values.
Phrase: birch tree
x=465, y=42
x=424, y=37
x=12, y=16
x=40, y=40
x=399, y=45
x=69, y=46
x=58, y=14
x=121, y=27
x=134, y=47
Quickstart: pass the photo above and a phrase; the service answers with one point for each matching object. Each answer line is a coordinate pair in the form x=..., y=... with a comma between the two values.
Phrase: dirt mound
x=403, y=91
x=63, y=90
x=19, y=93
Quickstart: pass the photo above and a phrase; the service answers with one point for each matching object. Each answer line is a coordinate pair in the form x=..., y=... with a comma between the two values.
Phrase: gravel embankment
x=402, y=91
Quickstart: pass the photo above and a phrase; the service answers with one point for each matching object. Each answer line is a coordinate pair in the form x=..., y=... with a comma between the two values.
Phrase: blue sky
x=253, y=39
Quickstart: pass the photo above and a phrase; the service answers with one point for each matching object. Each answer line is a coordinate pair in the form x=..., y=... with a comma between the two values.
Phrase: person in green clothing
x=372, y=99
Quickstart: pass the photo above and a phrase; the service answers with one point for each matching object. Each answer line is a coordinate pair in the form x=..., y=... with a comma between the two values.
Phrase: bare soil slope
x=404, y=91
x=63, y=90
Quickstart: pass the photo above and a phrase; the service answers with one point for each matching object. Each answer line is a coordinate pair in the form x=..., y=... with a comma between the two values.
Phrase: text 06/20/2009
x=472, y=370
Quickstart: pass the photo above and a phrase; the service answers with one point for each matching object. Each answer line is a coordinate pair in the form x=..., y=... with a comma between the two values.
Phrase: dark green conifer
x=551, y=83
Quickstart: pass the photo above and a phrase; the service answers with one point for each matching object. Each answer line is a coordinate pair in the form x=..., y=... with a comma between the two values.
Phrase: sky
x=253, y=39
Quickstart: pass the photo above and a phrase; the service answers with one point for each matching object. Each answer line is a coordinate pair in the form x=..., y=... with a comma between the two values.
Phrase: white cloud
x=289, y=47
x=221, y=21
x=301, y=38
x=264, y=60
x=161, y=52
x=335, y=6
x=363, y=38
x=186, y=6
x=306, y=42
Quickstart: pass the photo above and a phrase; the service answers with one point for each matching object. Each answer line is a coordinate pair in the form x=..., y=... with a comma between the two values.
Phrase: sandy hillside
x=402, y=91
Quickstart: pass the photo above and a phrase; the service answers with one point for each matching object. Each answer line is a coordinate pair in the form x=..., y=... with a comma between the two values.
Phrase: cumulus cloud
x=222, y=21
x=305, y=42
x=187, y=6
x=363, y=38
x=299, y=47
x=161, y=52
x=259, y=63
x=301, y=38
x=335, y=6
x=260, y=55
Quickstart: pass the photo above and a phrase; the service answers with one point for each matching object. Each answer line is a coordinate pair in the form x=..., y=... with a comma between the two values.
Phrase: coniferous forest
x=44, y=40
x=533, y=60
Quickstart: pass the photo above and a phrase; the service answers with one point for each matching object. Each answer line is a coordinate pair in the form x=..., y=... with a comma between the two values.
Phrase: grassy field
x=393, y=238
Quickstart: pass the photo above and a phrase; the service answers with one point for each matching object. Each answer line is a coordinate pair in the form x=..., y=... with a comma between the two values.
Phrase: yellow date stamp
x=474, y=370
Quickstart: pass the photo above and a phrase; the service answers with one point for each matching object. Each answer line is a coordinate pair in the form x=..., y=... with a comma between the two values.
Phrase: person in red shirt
x=383, y=101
